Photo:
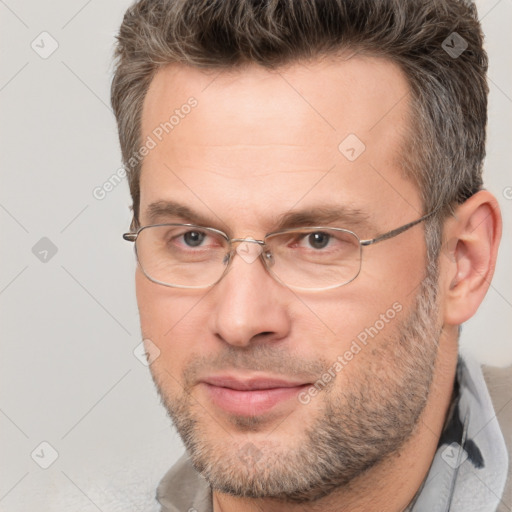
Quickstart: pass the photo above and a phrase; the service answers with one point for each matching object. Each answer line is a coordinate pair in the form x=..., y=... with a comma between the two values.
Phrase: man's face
x=238, y=360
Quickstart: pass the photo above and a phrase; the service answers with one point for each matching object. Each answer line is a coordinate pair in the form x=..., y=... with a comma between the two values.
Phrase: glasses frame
x=132, y=237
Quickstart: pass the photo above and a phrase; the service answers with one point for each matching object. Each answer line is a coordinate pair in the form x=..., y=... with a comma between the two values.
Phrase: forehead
x=330, y=95
x=259, y=136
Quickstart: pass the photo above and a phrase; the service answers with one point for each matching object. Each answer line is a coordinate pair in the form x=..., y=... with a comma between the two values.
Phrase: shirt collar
x=469, y=469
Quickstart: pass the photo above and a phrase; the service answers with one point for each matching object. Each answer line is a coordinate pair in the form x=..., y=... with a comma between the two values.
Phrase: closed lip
x=251, y=384
x=250, y=395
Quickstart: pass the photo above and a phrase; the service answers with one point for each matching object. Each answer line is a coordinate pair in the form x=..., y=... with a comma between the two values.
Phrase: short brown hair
x=445, y=148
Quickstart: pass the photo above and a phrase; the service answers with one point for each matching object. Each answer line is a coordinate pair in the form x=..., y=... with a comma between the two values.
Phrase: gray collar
x=469, y=469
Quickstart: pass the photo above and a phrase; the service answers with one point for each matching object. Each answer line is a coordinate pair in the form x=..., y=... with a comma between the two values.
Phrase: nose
x=248, y=305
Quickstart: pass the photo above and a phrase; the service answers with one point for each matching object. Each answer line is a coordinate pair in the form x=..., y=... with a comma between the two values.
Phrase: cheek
x=341, y=314
x=162, y=308
x=345, y=321
x=152, y=309
x=168, y=319
x=394, y=269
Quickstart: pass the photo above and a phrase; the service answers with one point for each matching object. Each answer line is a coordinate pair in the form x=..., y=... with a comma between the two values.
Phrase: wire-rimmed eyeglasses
x=306, y=258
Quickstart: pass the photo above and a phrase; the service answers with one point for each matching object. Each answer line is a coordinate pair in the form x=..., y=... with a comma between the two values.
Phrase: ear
x=471, y=239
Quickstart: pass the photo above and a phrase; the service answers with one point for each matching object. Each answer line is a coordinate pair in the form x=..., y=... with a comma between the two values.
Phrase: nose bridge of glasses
x=249, y=249
x=248, y=239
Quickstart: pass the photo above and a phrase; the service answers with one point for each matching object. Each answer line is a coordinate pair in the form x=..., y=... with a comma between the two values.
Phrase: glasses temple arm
x=397, y=231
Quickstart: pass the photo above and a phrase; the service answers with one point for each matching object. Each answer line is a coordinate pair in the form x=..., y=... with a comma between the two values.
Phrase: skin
x=260, y=144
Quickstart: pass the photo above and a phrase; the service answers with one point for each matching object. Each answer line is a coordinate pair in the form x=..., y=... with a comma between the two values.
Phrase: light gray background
x=68, y=375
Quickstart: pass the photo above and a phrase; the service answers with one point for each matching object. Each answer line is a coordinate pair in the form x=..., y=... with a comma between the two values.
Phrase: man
x=311, y=232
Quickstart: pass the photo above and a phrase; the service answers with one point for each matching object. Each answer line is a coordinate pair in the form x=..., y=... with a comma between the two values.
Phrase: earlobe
x=473, y=239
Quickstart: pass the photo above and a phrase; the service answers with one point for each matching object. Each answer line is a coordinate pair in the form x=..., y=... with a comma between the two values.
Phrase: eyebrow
x=342, y=216
x=163, y=210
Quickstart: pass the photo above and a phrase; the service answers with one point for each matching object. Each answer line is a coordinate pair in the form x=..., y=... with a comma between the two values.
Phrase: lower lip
x=250, y=403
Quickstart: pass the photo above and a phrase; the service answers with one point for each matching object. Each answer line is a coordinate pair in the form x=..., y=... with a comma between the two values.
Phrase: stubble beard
x=362, y=424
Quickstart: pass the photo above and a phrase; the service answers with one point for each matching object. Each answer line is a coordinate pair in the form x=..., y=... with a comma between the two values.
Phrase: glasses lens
x=177, y=255
x=315, y=258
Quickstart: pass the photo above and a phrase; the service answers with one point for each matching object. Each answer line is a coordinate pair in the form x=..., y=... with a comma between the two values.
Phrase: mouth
x=250, y=397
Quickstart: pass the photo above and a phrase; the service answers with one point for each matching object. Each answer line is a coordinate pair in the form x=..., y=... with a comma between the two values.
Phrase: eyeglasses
x=309, y=258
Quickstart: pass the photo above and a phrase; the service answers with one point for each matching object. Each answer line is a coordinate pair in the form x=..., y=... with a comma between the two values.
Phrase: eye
x=318, y=240
x=323, y=242
x=194, y=238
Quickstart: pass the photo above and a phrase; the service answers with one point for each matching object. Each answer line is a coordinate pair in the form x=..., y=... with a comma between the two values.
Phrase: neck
x=391, y=485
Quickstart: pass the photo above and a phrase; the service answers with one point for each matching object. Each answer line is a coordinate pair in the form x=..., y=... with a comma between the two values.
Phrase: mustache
x=257, y=358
